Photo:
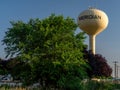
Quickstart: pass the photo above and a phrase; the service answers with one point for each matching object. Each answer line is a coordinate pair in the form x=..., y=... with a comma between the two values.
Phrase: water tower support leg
x=92, y=43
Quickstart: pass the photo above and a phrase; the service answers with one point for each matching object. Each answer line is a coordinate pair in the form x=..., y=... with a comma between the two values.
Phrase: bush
x=95, y=85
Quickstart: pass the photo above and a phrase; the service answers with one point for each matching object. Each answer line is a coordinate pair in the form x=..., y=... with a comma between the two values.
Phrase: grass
x=89, y=85
x=94, y=85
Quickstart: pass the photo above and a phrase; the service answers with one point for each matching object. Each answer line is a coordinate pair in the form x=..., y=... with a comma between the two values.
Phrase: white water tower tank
x=92, y=21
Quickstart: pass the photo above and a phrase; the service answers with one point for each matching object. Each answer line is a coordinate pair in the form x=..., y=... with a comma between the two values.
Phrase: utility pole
x=118, y=71
x=115, y=69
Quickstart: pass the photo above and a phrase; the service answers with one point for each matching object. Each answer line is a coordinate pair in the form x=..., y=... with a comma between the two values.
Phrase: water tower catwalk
x=92, y=21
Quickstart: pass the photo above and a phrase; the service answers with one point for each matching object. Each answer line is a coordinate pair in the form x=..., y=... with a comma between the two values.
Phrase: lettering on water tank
x=89, y=17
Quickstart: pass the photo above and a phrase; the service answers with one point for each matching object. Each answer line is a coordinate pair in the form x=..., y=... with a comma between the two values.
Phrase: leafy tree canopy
x=51, y=48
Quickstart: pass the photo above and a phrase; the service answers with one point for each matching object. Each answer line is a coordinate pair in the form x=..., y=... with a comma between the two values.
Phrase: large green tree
x=52, y=49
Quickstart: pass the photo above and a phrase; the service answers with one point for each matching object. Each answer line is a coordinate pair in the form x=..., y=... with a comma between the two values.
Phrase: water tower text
x=89, y=17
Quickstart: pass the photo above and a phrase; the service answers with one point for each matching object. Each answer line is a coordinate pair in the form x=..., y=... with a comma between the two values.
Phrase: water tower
x=92, y=21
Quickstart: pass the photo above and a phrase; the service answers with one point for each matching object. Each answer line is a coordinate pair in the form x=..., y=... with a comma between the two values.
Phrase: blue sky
x=107, y=42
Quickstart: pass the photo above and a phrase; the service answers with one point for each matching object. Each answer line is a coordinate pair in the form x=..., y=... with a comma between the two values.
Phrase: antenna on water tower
x=92, y=21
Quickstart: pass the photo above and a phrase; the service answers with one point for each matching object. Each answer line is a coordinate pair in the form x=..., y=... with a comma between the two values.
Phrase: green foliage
x=36, y=34
x=51, y=49
x=94, y=85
